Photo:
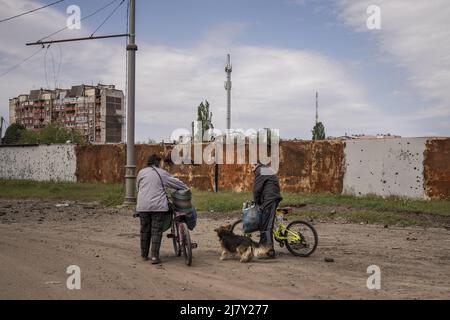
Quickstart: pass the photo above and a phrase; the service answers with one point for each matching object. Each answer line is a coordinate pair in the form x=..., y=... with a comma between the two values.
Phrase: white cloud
x=272, y=87
x=414, y=35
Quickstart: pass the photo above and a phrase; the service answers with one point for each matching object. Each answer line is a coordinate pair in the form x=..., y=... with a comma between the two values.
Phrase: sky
x=394, y=79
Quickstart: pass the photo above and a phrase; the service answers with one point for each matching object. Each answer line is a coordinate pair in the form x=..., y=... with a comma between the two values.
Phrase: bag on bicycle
x=181, y=200
x=191, y=219
x=251, y=218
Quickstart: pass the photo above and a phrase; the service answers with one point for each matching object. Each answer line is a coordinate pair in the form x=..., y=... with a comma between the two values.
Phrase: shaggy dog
x=232, y=244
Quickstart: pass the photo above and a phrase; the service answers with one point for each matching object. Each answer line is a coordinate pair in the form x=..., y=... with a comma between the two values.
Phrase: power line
x=23, y=61
x=82, y=19
x=107, y=18
x=22, y=14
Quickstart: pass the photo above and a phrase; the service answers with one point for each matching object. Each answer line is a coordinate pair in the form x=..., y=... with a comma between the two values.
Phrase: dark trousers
x=267, y=220
x=151, y=232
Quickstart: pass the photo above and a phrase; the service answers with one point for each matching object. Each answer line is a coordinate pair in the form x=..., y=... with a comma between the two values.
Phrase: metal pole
x=228, y=69
x=39, y=43
x=130, y=178
x=317, y=107
x=1, y=129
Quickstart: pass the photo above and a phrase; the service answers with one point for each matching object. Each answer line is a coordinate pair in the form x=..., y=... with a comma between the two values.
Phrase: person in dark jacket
x=266, y=194
x=152, y=205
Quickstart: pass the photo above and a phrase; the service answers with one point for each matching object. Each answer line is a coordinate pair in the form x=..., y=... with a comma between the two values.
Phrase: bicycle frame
x=177, y=218
x=279, y=228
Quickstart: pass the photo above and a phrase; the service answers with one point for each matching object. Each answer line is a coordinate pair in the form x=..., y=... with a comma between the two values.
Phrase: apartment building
x=96, y=112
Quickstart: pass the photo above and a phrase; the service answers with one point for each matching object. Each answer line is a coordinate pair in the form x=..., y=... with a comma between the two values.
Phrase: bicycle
x=181, y=237
x=302, y=242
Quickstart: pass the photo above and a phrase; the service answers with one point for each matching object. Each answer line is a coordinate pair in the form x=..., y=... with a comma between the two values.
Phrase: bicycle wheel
x=301, y=239
x=186, y=243
x=175, y=238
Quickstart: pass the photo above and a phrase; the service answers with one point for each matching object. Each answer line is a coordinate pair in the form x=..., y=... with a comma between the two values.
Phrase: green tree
x=29, y=137
x=13, y=133
x=55, y=133
x=318, y=132
x=205, y=116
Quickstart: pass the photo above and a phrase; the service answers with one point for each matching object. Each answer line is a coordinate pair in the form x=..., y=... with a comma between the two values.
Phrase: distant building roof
x=34, y=95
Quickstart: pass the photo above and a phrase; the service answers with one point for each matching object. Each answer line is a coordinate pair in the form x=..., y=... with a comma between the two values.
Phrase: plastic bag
x=167, y=222
x=191, y=219
x=251, y=219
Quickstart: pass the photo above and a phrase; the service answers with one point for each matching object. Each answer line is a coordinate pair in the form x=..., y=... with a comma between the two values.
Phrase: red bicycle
x=181, y=237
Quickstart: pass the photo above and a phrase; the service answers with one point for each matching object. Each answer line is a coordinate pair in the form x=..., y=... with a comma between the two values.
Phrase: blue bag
x=251, y=219
x=191, y=219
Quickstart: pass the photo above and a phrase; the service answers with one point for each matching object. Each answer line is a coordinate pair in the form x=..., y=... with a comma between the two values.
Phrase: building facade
x=96, y=112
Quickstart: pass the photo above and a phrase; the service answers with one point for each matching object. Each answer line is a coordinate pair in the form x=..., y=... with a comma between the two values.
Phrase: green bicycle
x=299, y=237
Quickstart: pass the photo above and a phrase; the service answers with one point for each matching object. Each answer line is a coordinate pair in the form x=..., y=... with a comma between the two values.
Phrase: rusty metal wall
x=436, y=167
x=304, y=166
x=198, y=176
x=100, y=163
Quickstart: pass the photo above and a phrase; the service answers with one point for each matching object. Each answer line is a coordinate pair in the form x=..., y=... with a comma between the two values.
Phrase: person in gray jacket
x=152, y=204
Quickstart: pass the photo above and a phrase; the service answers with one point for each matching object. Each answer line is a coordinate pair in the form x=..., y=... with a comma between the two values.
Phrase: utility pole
x=317, y=107
x=130, y=167
x=228, y=69
x=1, y=129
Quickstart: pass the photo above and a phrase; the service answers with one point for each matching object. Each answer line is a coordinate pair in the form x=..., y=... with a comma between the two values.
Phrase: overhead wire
x=107, y=18
x=22, y=62
x=82, y=19
x=30, y=11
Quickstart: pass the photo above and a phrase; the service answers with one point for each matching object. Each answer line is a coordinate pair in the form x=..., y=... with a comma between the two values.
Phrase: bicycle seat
x=285, y=210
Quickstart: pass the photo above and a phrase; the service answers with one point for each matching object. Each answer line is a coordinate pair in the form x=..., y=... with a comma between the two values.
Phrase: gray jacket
x=151, y=195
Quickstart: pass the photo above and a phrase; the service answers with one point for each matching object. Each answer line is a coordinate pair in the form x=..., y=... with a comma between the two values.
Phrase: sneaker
x=144, y=258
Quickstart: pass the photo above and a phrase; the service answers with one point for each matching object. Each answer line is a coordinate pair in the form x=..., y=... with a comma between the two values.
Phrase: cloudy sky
x=393, y=80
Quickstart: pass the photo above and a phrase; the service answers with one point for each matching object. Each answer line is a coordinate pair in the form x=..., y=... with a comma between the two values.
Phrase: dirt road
x=38, y=241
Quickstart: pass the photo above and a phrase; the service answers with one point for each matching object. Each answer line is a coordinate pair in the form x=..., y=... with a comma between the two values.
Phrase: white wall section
x=385, y=167
x=41, y=163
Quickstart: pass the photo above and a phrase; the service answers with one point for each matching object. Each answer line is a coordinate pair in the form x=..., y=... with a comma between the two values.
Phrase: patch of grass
x=373, y=209
x=372, y=202
x=224, y=201
x=364, y=216
x=230, y=201
x=107, y=194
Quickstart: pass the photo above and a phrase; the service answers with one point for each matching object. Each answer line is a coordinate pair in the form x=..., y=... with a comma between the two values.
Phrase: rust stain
x=327, y=166
x=198, y=176
x=436, y=168
x=100, y=163
x=305, y=166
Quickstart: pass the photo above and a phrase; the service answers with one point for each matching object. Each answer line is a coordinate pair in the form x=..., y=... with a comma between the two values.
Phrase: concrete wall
x=410, y=167
x=40, y=163
x=385, y=167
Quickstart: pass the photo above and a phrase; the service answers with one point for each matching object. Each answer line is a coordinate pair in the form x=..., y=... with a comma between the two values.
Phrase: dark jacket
x=266, y=188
